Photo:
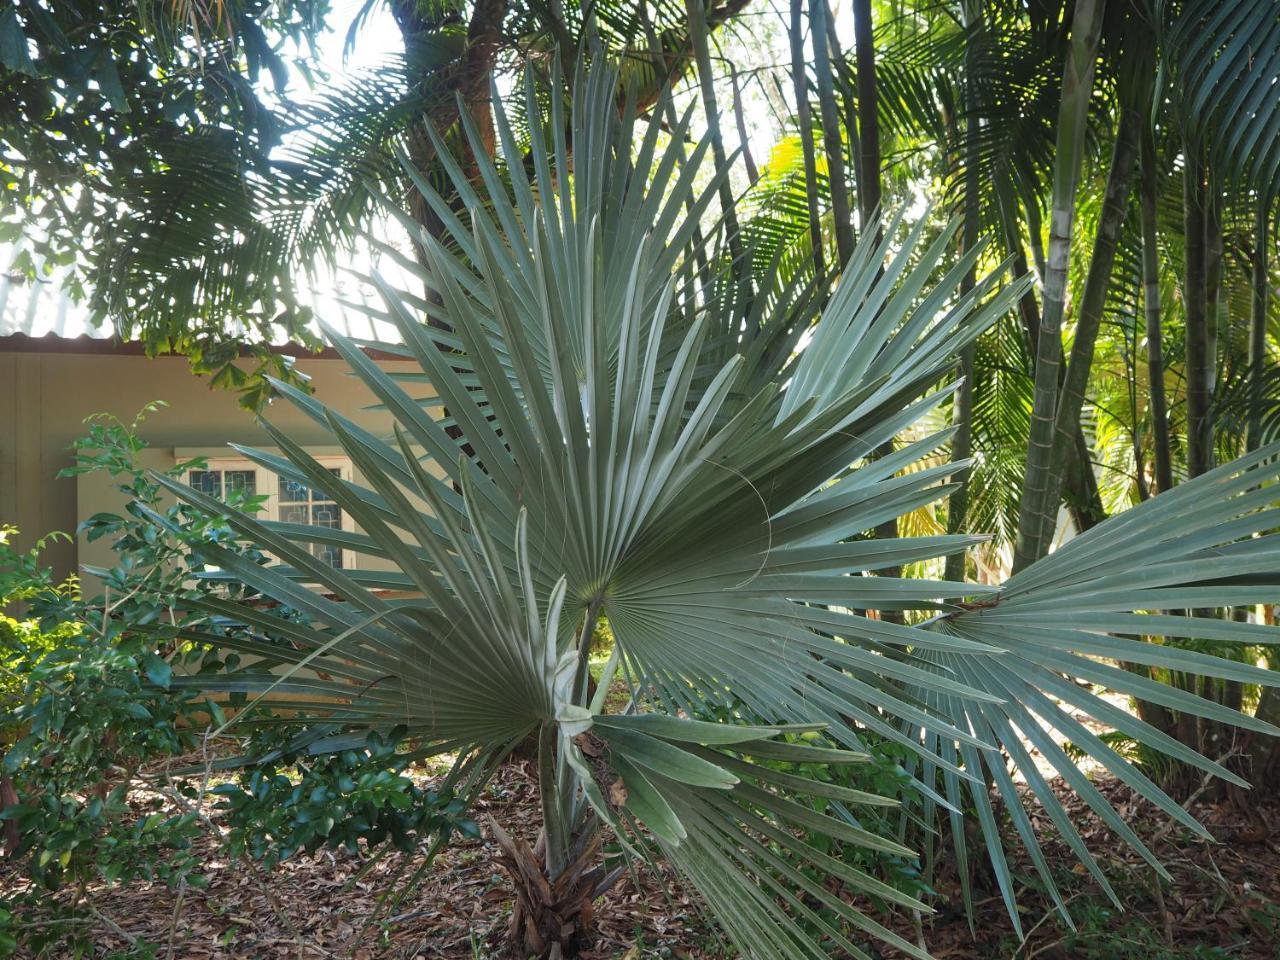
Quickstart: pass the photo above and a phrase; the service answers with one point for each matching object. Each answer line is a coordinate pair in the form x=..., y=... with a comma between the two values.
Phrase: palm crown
x=624, y=424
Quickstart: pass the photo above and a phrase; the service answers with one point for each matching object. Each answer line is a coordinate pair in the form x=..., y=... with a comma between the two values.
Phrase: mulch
x=1224, y=901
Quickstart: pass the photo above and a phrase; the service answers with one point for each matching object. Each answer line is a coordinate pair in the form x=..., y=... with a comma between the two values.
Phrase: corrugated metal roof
x=42, y=307
x=45, y=307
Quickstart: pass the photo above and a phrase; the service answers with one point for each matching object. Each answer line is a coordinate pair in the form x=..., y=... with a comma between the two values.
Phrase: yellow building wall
x=45, y=398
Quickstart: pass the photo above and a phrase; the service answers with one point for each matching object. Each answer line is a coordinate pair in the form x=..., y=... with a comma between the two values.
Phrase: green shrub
x=97, y=693
x=295, y=800
x=89, y=701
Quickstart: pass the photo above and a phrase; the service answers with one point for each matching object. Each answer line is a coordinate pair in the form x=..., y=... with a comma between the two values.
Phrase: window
x=299, y=503
x=217, y=483
x=286, y=500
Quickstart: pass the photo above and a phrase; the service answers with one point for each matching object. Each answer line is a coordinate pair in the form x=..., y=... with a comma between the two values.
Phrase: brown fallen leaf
x=618, y=793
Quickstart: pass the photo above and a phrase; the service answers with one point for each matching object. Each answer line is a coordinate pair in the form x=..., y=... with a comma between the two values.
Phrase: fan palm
x=610, y=435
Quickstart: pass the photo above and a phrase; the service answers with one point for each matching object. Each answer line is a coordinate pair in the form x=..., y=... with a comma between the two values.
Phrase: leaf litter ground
x=1224, y=901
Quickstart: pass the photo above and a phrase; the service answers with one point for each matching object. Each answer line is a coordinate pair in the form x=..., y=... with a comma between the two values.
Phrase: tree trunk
x=1264, y=752
x=702, y=59
x=9, y=798
x=1195, y=305
x=832, y=141
x=804, y=120
x=1258, y=329
x=740, y=119
x=847, y=77
x=868, y=174
x=553, y=913
x=1114, y=206
x=1077, y=87
x=1083, y=498
x=1213, y=311
x=469, y=79
x=1151, y=312
x=868, y=113
x=962, y=413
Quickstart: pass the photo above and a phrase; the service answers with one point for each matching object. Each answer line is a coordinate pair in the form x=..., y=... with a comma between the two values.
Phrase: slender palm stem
x=1077, y=87
x=1197, y=314
x=1258, y=327
x=740, y=120
x=1071, y=402
x=1212, y=294
x=962, y=414
x=804, y=121
x=706, y=85
x=832, y=140
x=868, y=112
x=1151, y=311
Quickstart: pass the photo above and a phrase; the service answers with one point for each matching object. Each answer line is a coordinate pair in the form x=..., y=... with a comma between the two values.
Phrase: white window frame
x=268, y=482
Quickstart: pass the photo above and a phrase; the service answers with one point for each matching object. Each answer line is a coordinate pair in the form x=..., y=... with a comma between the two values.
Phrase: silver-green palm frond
x=614, y=430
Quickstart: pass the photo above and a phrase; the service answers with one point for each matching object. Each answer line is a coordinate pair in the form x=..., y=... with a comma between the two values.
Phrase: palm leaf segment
x=623, y=434
x=1224, y=63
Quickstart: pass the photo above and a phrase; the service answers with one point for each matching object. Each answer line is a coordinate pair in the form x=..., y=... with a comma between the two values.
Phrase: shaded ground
x=1224, y=902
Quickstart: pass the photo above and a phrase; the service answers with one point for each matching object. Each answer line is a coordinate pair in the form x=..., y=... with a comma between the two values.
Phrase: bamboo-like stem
x=1081, y=485
x=1196, y=309
x=1077, y=88
x=868, y=112
x=846, y=75
x=804, y=120
x=1258, y=327
x=1213, y=319
x=832, y=140
x=1106, y=240
x=1151, y=311
x=962, y=412
x=706, y=85
x=740, y=119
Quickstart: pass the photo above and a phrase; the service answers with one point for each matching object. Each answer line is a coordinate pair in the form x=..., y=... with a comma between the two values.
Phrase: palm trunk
x=868, y=112
x=702, y=59
x=658, y=57
x=1077, y=87
x=1258, y=330
x=846, y=76
x=470, y=79
x=962, y=414
x=804, y=120
x=1264, y=752
x=1151, y=311
x=1071, y=403
x=1084, y=499
x=868, y=173
x=559, y=878
x=832, y=141
x=553, y=913
x=740, y=119
x=1213, y=319
x=1196, y=308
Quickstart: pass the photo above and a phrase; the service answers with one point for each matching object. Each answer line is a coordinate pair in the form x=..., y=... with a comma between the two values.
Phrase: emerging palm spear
x=617, y=425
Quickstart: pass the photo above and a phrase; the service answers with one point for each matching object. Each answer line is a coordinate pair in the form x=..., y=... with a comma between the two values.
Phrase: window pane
x=208, y=482
x=329, y=554
x=326, y=515
x=293, y=513
x=291, y=491
x=246, y=481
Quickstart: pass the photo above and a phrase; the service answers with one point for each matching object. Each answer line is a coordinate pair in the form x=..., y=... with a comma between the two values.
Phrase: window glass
x=208, y=482
x=215, y=483
x=245, y=481
x=300, y=503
